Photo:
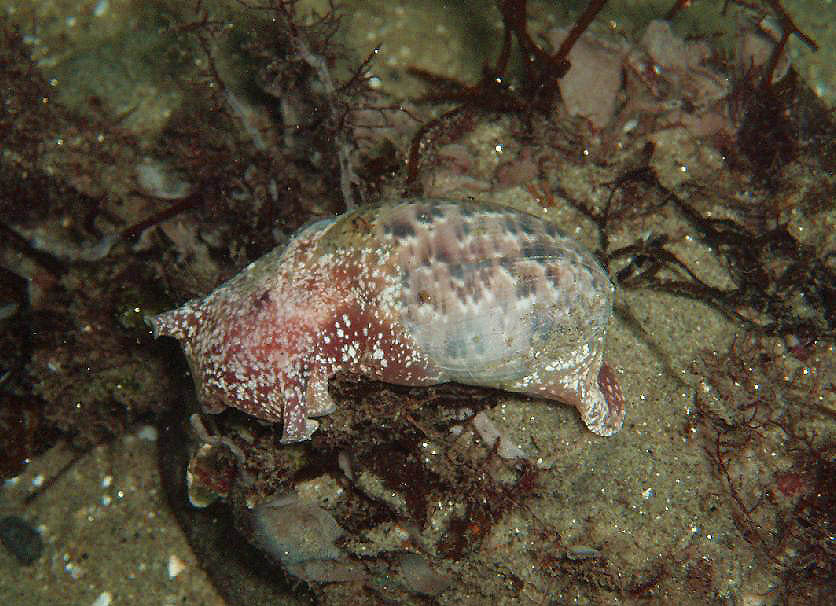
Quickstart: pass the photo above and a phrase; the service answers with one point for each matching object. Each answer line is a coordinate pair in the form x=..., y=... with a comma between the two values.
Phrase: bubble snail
x=415, y=292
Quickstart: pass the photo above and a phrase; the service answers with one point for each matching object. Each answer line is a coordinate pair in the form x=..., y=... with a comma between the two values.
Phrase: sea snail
x=415, y=292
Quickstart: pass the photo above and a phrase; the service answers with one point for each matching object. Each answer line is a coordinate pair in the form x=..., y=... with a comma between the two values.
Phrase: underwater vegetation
x=699, y=173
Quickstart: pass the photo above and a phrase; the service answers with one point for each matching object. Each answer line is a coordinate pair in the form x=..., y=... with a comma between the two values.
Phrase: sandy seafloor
x=109, y=535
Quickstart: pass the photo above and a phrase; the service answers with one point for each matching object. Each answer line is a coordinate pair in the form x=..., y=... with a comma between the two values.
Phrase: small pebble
x=420, y=578
x=294, y=531
x=104, y=599
x=582, y=552
x=21, y=539
x=175, y=566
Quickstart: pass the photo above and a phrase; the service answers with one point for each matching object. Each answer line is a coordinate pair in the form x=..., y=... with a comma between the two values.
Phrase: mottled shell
x=417, y=293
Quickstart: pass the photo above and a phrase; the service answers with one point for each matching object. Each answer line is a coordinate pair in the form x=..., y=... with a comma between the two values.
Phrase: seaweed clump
x=771, y=270
x=763, y=419
x=773, y=124
x=536, y=93
x=54, y=337
x=233, y=171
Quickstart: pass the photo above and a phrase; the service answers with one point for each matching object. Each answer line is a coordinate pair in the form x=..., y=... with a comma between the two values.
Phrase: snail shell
x=416, y=292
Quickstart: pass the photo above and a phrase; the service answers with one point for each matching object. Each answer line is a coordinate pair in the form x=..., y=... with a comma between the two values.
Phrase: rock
x=21, y=539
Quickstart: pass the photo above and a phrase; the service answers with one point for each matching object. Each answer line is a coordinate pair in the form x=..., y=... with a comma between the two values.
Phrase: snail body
x=415, y=292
